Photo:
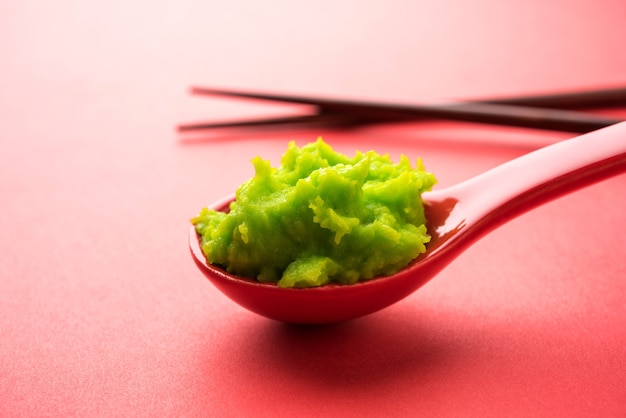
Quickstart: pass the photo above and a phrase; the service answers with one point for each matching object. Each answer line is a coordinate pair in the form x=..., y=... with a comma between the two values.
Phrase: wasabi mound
x=320, y=217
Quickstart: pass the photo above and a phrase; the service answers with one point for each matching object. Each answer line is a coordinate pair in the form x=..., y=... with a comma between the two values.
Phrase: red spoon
x=456, y=217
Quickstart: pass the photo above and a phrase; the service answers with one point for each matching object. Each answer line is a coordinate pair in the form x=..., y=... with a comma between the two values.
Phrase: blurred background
x=102, y=312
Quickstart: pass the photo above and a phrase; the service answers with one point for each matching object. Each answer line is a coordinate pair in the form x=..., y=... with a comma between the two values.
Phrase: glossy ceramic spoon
x=456, y=217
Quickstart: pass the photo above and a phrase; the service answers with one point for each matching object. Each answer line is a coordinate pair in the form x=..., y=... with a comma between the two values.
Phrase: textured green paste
x=320, y=217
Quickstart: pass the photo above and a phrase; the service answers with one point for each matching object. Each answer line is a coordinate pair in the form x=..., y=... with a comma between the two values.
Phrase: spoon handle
x=519, y=185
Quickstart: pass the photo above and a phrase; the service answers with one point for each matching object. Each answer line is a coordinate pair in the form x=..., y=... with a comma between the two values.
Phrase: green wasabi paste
x=320, y=217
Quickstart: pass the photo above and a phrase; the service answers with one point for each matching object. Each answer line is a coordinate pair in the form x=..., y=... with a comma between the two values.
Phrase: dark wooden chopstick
x=487, y=112
x=584, y=99
x=317, y=118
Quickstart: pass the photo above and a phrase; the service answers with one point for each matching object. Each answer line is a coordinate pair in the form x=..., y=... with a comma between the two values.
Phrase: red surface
x=102, y=311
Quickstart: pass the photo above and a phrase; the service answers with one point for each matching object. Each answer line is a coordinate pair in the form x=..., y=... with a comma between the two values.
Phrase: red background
x=102, y=312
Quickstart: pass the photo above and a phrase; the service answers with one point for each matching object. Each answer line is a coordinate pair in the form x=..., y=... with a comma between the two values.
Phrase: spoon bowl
x=456, y=216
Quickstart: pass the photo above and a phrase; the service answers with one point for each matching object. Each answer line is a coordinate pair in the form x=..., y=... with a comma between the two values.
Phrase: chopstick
x=505, y=111
x=317, y=118
x=585, y=99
